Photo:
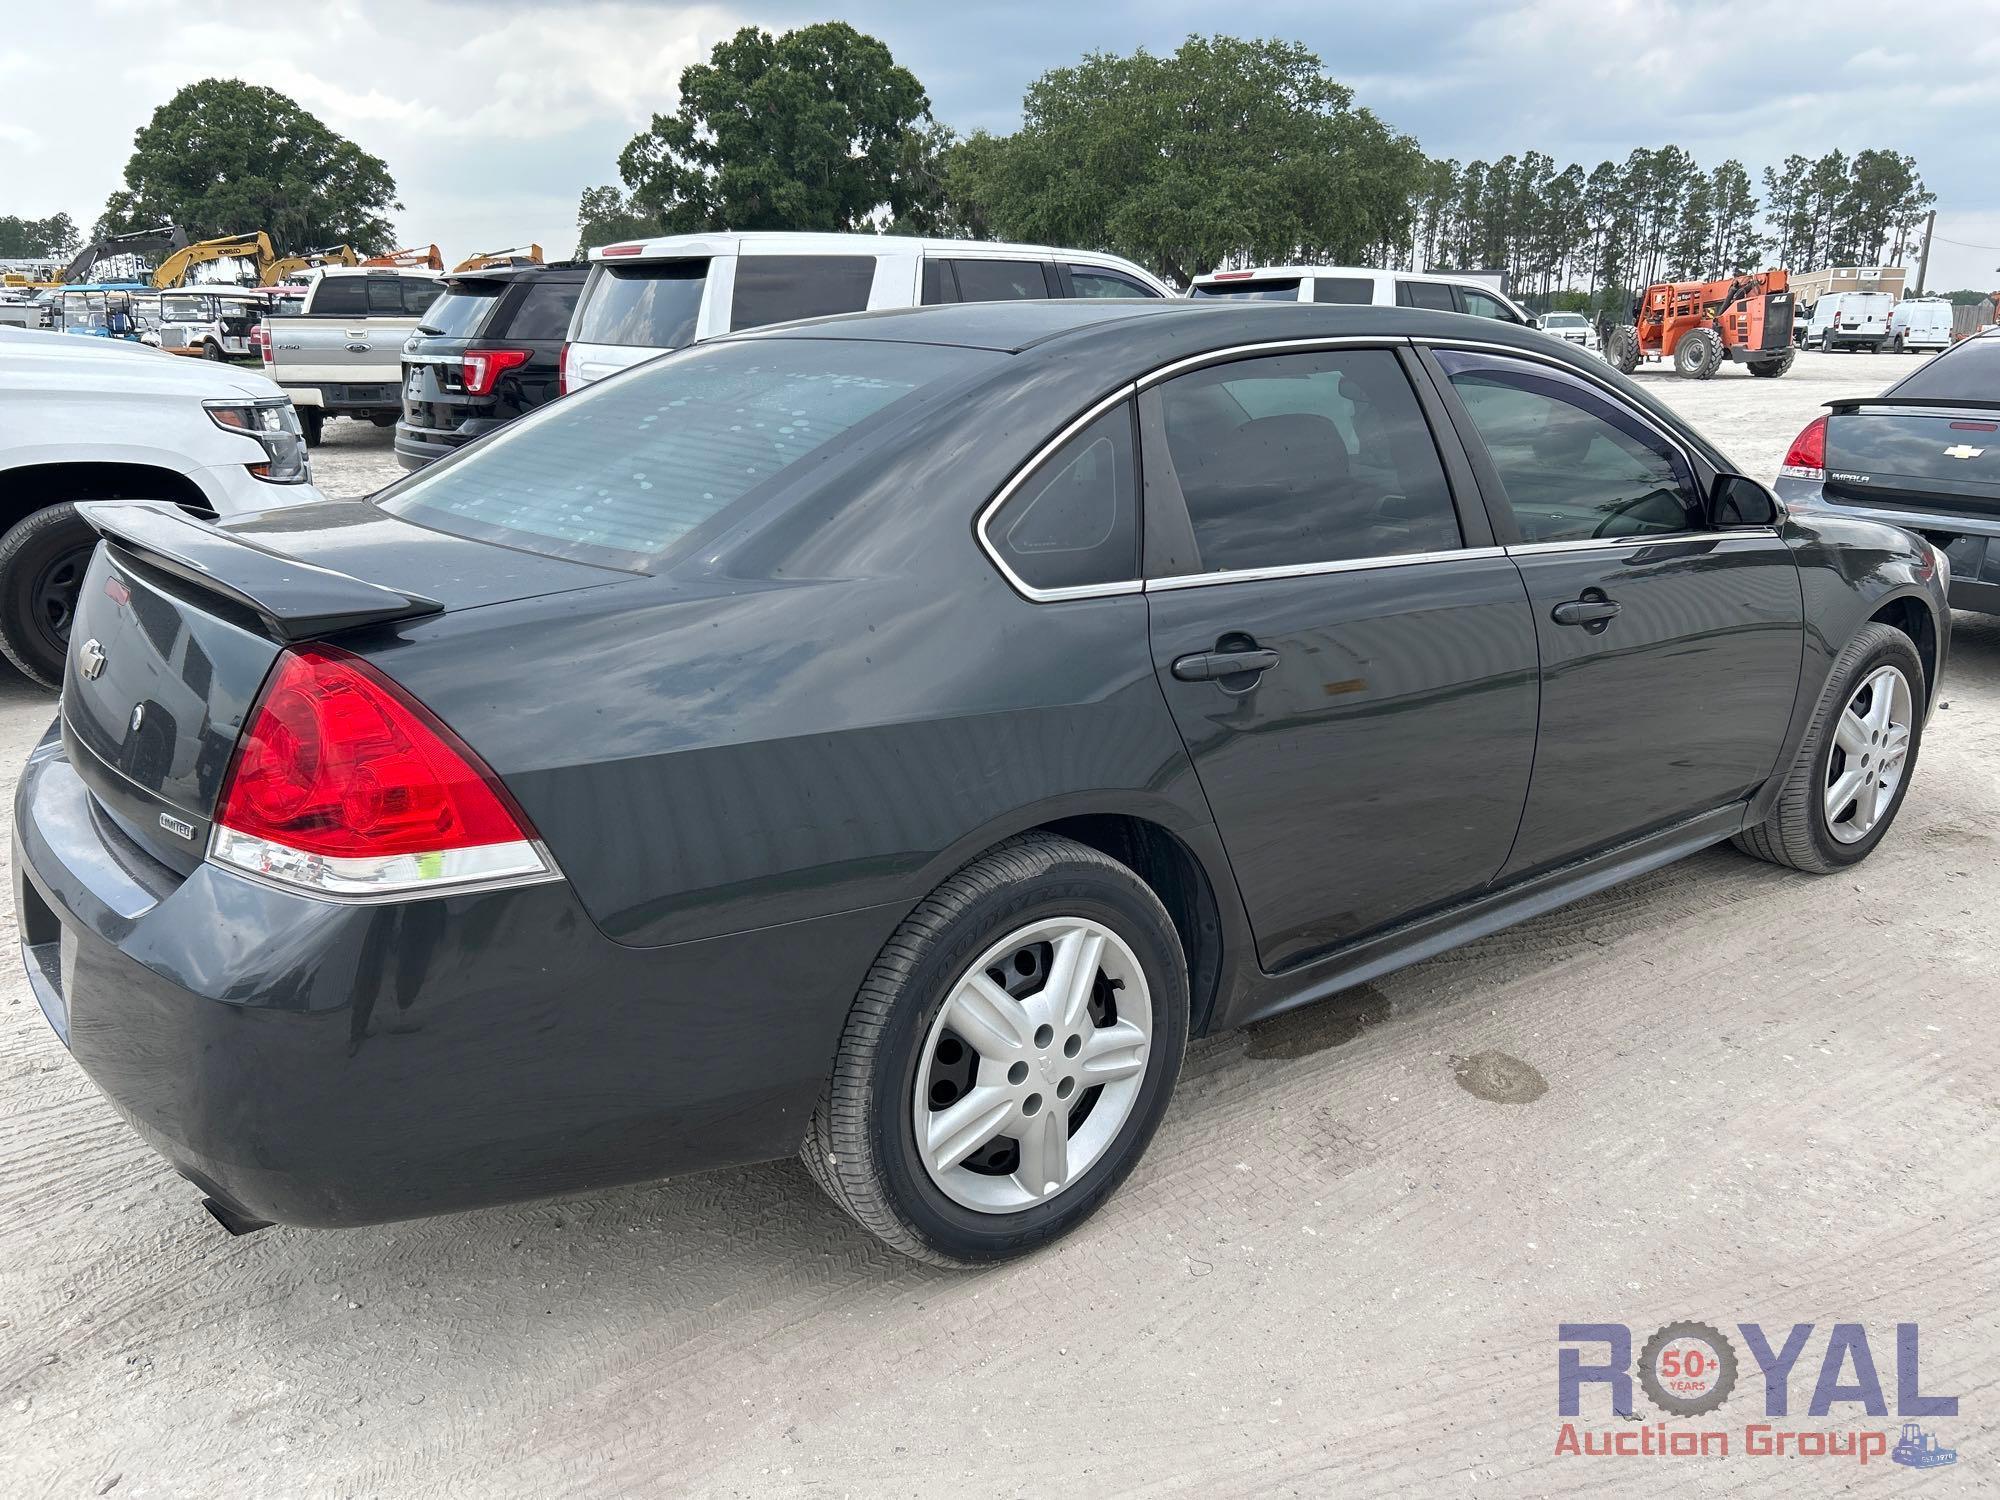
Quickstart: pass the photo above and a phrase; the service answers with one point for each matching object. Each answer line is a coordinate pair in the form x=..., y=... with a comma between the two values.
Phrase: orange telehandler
x=1699, y=324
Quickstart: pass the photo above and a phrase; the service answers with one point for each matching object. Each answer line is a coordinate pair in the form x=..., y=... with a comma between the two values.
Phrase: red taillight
x=260, y=340
x=622, y=249
x=562, y=372
x=1808, y=450
x=344, y=784
x=480, y=369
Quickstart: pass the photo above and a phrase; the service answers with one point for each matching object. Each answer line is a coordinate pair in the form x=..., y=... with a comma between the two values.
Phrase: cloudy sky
x=494, y=114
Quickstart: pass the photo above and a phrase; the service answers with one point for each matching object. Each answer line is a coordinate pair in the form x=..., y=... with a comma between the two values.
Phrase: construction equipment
x=426, y=258
x=255, y=248
x=1699, y=324
x=1918, y=1449
x=326, y=255
x=167, y=239
x=500, y=260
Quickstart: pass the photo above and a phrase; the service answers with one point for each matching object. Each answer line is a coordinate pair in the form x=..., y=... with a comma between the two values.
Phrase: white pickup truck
x=341, y=353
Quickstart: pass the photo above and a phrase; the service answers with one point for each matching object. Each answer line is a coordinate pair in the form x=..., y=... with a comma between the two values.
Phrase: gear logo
x=1688, y=1368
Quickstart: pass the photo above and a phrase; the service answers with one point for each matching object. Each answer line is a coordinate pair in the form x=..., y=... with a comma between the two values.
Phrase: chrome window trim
x=1662, y=539
x=1269, y=346
x=1311, y=570
x=1021, y=475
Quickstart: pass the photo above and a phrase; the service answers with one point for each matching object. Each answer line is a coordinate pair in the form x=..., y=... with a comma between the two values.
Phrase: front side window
x=1297, y=459
x=1096, y=281
x=784, y=288
x=1000, y=280
x=648, y=306
x=1574, y=463
x=1074, y=521
x=1486, y=305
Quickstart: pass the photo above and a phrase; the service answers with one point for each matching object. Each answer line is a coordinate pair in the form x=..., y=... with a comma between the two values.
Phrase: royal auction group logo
x=1691, y=1370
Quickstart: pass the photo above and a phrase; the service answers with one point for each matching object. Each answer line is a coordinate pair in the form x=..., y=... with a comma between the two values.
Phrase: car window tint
x=419, y=294
x=341, y=296
x=1269, y=289
x=650, y=306
x=999, y=280
x=545, y=312
x=784, y=288
x=1095, y=281
x=1074, y=521
x=1306, y=458
x=622, y=470
x=458, y=313
x=1969, y=370
x=1485, y=305
x=1432, y=294
x=1350, y=291
x=1574, y=463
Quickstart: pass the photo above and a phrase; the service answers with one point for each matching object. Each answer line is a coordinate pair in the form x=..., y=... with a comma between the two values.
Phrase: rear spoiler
x=297, y=600
x=1967, y=403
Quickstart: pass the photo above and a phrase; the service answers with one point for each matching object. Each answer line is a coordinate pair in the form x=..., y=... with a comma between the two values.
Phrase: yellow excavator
x=176, y=268
x=497, y=260
x=291, y=265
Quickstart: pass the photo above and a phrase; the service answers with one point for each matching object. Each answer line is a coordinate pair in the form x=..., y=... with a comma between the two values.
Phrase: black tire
x=211, y=351
x=1771, y=369
x=1621, y=350
x=1796, y=834
x=1696, y=355
x=42, y=562
x=861, y=1146
x=312, y=422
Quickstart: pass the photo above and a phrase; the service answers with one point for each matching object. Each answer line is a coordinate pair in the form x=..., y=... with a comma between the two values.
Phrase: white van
x=645, y=297
x=1362, y=287
x=1850, y=320
x=1920, y=325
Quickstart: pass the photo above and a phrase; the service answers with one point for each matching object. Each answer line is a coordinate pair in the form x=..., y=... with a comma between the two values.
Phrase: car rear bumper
x=1971, y=544
x=418, y=446
x=341, y=400
x=324, y=1063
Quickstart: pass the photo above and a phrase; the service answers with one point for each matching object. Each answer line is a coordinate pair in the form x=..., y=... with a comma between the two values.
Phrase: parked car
x=487, y=351
x=94, y=419
x=1361, y=287
x=1850, y=320
x=1923, y=455
x=341, y=354
x=800, y=744
x=646, y=297
x=1573, y=328
x=1921, y=325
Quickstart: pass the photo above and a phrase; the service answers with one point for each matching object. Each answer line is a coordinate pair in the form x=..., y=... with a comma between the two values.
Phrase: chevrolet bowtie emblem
x=90, y=660
x=1963, y=450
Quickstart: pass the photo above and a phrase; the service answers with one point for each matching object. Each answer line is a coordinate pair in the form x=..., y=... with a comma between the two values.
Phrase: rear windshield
x=650, y=306
x=459, y=312
x=619, y=472
x=1251, y=291
x=545, y=312
x=1968, y=371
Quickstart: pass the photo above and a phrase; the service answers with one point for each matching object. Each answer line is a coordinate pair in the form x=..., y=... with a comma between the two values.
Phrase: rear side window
x=618, y=473
x=545, y=312
x=1306, y=458
x=1969, y=371
x=1096, y=281
x=1074, y=521
x=650, y=306
x=1435, y=295
x=341, y=296
x=1000, y=280
x=784, y=288
x=1266, y=289
x=1351, y=291
x=457, y=314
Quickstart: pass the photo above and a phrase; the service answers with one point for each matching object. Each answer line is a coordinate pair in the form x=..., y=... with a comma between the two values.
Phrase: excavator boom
x=255, y=248
x=167, y=239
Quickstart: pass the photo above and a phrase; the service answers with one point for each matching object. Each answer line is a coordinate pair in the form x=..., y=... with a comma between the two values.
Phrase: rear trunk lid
x=179, y=622
x=1936, y=457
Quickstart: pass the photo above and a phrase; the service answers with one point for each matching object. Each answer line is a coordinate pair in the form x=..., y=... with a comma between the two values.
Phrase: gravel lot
x=1769, y=1098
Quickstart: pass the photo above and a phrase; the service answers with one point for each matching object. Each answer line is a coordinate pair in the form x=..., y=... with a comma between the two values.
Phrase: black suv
x=487, y=351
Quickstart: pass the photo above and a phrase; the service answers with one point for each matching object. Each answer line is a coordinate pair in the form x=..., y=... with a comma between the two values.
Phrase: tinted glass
x=1267, y=290
x=1000, y=280
x=1432, y=294
x=1095, y=281
x=545, y=312
x=458, y=314
x=652, y=306
x=1075, y=520
x=341, y=296
x=784, y=288
x=1306, y=458
x=1350, y=291
x=1485, y=305
x=1574, y=463
x=419, y=294
x=622, y=470
x=1969, y=370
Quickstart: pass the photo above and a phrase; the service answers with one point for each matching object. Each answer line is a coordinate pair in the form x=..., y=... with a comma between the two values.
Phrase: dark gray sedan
x=891, y=738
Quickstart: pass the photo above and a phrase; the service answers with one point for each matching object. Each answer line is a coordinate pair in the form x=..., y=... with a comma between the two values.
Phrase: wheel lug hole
x=1032, y=1105
x=1018, y=1074
x=1044, y=1035
x=1065, y=1088
x=1072, y=1046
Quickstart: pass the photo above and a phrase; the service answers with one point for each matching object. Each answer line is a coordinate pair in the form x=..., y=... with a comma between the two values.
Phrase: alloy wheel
x=1871, y=746
x=1033, y=1065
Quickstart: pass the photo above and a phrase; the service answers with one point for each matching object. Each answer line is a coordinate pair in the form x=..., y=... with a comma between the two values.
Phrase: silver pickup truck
x=341, y=353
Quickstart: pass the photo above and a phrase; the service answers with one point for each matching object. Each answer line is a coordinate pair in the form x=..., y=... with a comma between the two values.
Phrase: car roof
x=1252, y=273
x=734, y=241
x=569, y=270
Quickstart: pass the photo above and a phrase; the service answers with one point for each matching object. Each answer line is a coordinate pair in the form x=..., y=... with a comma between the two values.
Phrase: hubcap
x=1032, y=1066
x=1871, y=745
x=56, y=591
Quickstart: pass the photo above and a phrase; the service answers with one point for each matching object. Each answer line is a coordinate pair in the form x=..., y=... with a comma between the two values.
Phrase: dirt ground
x=1340, y=1270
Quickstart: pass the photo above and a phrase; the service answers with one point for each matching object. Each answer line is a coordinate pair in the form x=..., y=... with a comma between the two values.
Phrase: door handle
x=1593, y=611
x=1206, y=666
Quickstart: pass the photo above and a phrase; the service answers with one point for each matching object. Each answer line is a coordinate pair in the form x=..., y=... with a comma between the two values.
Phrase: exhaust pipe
x=234, y=1220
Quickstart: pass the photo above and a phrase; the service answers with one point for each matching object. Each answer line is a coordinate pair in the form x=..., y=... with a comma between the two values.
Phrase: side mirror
x=1738, y=500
